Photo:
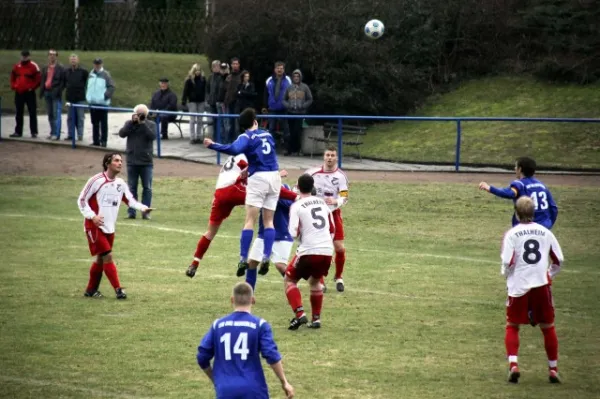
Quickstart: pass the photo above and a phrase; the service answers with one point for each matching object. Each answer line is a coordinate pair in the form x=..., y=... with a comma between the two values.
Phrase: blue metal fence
x=340, y=118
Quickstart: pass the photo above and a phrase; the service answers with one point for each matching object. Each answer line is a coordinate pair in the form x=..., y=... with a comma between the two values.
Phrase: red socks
x=95, y=277
x=201, y=249
x=295, y=299
x=340, y=260
x=316, y=303
x=551, y=345
x=111, y=272
x=511, y=340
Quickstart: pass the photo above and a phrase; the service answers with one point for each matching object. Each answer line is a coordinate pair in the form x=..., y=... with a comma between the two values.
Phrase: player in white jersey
x=332, y=185
x=230, y=192
x=99, y=204
x=531, y=258
x=312, y=223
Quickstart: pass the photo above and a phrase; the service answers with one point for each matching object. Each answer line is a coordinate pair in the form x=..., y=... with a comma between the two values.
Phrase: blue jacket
x=100, y=87
x=276, y=103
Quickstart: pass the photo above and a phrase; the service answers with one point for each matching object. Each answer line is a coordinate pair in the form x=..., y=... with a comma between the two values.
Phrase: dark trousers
x=283, y=125
x=143, y=173
x=234, y=127
x=294, y=144
x=164, y=124
x=54, y=109
x=20, y=101
x=99, y=125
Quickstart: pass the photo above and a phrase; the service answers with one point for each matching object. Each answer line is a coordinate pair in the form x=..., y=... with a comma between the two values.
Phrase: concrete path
x=180, y=148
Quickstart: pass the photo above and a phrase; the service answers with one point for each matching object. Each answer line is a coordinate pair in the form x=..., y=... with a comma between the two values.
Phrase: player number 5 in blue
x=266, y=147
x=540, y=200
x=240, y=347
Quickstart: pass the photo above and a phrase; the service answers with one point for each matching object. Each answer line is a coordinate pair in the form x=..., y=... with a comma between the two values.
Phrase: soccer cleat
x=191, y=271
x=553, y=377
x=264, y=267
x=315, y=324
x=513, y=375
x=296, y=322
x=120, y=293
x=339, y=284
x=242, y=267
x=93, y=294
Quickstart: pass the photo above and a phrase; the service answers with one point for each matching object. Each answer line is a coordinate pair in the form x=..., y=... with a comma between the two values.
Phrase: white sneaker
x=339, y=285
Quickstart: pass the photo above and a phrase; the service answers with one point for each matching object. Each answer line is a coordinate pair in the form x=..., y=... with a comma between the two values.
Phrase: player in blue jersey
x=264, y=183
x=282, y=248
x=546, y=210
x=236, y=343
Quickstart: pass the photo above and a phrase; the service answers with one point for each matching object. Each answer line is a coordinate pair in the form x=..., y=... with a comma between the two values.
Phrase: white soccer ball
x=374, y=29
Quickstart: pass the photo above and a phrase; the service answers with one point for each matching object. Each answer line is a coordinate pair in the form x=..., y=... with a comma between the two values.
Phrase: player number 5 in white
x=266, y=147
x=540, y=200
x=240, y=347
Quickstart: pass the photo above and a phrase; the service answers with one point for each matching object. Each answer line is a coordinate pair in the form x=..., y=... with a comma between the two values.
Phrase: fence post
x=218, y=137
x=340, y=142
x=458, y=139
x=158, y=136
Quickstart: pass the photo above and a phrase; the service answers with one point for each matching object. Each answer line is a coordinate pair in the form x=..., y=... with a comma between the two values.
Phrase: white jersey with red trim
x=531, y=256
x=102, y=196
x=330, y=184
x=231, y=171
x=311, y=221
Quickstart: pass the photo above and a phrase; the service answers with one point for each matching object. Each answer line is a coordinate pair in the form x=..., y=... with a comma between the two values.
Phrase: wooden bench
x=351, y=136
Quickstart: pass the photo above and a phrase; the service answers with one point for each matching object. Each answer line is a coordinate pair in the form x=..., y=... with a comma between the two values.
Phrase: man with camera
x=140, y=133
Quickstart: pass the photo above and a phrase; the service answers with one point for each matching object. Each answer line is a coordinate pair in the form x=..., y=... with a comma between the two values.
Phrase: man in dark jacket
x=164, y=99
x=297, y=100
x=53, y=84
x=76, y=84
x=213, y=86
x=25, y=77
x=275, y=89
x=140, y=133
x=232, y=81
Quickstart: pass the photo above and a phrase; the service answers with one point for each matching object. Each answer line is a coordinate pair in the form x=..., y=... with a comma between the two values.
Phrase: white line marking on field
x=65, y=387
x=199, y=233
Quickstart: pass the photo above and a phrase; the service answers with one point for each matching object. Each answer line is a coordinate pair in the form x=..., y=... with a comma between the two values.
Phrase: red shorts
x=339, y=225
x=533, y=308
x=224, y=200
x=306, y=266
x=99, y=242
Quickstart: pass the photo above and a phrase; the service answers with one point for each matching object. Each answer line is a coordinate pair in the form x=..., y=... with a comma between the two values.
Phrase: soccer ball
x=374, y=29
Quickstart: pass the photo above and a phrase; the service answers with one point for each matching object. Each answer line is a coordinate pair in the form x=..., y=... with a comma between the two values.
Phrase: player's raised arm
x=507, y=255
x=556, y=256
x=239, y=146
x=206, y=352
x=286, y=194
x=83, y=200
x=132, y=202
x=509, y=192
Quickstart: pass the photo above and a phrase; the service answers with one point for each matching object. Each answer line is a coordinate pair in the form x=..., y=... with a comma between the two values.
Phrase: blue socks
x=245, y=242
x=251, y=277
x=269, y=239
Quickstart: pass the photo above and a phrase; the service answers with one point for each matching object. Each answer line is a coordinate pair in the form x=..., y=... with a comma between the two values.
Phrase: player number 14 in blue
x=240, y=347
x=540, y=200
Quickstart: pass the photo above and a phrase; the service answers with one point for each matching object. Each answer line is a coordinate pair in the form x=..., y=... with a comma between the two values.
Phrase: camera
x=141, y=117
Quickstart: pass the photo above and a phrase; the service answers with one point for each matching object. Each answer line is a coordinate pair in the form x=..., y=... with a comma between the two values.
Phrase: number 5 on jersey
x=266, y=147
x=240, y=347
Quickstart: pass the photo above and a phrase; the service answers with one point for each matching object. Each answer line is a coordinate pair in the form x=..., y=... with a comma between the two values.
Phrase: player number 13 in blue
x=540, y=200
x=240, y=347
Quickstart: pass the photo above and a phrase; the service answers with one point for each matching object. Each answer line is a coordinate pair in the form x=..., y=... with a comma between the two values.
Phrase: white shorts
x=263, y=189
x=281, y=251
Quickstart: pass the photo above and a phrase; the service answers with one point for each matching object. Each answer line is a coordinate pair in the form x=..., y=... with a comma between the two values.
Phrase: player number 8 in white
x=540, y=199
x=266, y=147
x=240, y=347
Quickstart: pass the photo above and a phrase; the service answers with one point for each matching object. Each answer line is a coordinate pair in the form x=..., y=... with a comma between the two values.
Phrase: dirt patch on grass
x=26, y=159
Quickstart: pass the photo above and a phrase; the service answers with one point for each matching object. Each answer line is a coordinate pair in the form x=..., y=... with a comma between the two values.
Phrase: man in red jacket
x=24, y=79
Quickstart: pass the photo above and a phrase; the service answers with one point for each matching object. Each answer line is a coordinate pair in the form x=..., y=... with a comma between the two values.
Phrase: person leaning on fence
x=298, y=98
x=100, y=89
x=51, y=90
x=164, y=99
x=25, y=77
x=76, y=78
x=140, y=134
x=194, y=92
x=275, y=89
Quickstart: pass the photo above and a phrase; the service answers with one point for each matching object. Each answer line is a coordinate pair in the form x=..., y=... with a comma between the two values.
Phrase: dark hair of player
x=331, y=147
x=525, y=209
x=306, y=183
x=107, y=159
x=247, y=118
x=527, y=166
x=242, y=294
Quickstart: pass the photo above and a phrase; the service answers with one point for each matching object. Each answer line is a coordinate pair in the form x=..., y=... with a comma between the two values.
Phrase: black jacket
x=246, y=96
x=213, y=89
x=76, y=84
x=194, y=91
x=140, y=137
x=165, y=100
x=58, y=81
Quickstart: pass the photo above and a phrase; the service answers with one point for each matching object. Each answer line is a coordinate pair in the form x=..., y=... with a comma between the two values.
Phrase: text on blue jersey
x=259, y=148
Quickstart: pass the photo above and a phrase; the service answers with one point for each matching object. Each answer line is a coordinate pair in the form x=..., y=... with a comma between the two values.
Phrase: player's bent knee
x=545, y=326
x=339, y=246
x=512, y=325
x=106, y=256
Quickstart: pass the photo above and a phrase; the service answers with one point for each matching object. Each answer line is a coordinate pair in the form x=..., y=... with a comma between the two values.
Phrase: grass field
x=573, y=145
x=135, y=74
x=422, y=315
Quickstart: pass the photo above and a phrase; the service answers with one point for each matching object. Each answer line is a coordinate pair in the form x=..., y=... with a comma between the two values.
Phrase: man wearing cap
x=51, y=90
x=164, y=99
x=100, y=89
x=24, y=79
